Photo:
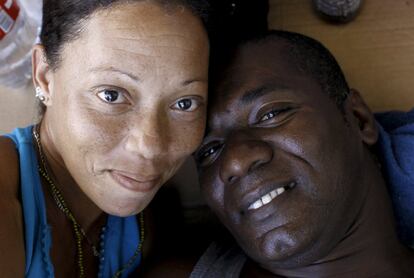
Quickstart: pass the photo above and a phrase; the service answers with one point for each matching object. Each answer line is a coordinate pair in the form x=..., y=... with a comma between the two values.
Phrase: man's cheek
x=212, y=188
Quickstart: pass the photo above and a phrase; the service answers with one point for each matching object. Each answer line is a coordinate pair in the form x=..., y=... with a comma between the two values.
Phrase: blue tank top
x=120, y=239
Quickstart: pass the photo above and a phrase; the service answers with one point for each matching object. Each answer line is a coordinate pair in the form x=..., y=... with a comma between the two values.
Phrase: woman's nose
x=242, y=156
x=148, y=136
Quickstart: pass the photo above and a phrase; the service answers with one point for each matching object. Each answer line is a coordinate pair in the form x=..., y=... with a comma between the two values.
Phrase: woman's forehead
x=138, y=44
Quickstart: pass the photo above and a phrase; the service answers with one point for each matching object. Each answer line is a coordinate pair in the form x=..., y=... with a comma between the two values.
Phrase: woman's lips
x=133, y=183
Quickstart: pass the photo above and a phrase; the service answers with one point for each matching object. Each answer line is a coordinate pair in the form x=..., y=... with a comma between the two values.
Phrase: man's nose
x=242, y=156
x=148, y=136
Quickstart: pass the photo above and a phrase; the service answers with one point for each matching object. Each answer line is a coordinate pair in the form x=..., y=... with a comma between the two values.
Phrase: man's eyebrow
x=112, y=69
x=252, y=94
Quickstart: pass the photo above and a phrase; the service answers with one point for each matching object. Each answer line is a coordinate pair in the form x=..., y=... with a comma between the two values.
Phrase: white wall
x=17, y=108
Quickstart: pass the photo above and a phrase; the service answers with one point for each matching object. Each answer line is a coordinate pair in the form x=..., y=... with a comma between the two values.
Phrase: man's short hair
x=311, y=57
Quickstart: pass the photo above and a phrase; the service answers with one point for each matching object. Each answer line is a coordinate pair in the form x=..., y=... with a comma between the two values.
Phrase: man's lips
x=265, y=194
x=134, y=182
x=268, y=197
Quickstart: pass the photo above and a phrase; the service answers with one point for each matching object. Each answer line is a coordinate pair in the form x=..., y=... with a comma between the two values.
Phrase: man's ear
x=42, y=73
x=360, y=115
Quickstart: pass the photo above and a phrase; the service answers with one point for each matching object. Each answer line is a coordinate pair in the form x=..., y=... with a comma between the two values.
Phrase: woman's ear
x=363, y=117
x=41, y=75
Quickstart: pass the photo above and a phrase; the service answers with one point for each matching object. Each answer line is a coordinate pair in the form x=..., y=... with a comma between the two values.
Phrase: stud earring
x=39, y=94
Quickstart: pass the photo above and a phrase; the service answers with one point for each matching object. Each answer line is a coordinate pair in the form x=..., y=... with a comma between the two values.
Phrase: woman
x=124, y=90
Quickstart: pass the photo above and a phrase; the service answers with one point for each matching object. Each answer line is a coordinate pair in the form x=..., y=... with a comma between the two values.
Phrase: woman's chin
x=126, y=207
x=122, y=212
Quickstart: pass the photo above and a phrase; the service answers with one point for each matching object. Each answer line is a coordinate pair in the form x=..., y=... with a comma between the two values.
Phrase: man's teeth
x=267, y=198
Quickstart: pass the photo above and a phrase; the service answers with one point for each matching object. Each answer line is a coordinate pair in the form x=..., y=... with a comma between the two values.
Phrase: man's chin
x=280, y=249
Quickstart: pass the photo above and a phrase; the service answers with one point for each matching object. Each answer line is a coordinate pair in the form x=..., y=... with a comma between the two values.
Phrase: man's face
x=279, y=164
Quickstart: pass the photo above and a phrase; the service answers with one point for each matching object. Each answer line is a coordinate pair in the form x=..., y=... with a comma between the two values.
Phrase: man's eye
x=208, y=152
x=206, y=155
x=272, y=114
x=268, y=116
x=111, y=96
x=186, y=104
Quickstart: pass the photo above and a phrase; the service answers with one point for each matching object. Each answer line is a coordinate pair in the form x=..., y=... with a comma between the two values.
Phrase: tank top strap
x=37, y=231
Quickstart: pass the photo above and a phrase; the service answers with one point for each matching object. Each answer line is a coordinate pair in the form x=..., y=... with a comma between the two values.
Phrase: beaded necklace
x=77, y=229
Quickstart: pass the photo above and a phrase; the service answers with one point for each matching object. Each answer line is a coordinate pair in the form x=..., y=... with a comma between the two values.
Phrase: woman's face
x=127, y=103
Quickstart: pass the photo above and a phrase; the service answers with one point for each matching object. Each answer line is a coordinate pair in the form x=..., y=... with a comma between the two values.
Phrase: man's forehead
x=250, y=62
x=263, y=52
x=256, y=69
x=231, y=107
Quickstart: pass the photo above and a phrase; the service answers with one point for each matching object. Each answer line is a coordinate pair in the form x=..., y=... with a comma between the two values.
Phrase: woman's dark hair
x=62, y=19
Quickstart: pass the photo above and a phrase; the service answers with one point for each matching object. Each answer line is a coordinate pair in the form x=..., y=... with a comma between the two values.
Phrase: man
x=289, y=165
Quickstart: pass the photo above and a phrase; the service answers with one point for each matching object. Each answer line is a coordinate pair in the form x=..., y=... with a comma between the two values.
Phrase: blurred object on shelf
x=340, y=11
x=19, y=25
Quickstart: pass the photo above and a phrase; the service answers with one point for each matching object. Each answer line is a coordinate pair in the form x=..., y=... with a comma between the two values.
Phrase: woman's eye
x=186, y=104
x=111, y=96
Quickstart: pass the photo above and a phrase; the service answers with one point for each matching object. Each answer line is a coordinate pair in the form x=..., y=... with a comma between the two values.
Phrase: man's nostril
x=231, y=179
x=255, y=165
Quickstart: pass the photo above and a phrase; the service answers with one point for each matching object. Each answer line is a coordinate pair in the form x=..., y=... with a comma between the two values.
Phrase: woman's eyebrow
x=195, y=80
x=113, y=69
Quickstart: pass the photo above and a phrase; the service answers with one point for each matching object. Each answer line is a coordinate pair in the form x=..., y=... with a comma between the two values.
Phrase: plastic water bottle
x=33, y=9
x=18, y=33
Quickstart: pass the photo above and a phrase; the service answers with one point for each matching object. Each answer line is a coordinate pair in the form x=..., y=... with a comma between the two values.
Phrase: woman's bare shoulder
x=9, y=168
x=11, y=227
